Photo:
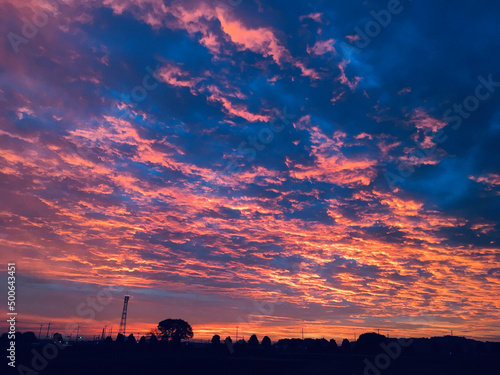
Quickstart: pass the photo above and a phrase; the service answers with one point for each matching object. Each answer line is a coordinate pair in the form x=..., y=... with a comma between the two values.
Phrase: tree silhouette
x=57, y=337
x=345, y=347
x=153, y=340
x=253, y=340
x=28, y=337
x=131, y=339
x=216, y=340
x=320, y=345
x=332, y=345
x=142, y=342
x=153, y=331
x=228, y=340
x=120, y=339
x=266, y=342
x=369, y=343
x=175, y=330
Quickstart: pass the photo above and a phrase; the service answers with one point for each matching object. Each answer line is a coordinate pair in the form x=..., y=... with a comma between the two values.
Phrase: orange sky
x=98, y=190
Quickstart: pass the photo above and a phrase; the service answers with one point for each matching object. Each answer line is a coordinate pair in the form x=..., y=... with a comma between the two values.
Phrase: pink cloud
x=314, y=16
x=331, y=165
x=323, y=47
x=363, y=135
x=426, y=126
x=386, y=147
x=175, y=76
x=260, y=40
x=307, y=72
x=343, y=78
x=198, y=18
x=216, y=95
x=491, y=180
x=352, y=38
x=337, y=95
x=405, y=90
x=423, y=121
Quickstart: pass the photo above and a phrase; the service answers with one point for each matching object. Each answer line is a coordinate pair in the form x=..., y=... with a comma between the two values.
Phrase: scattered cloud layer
x=119, y=120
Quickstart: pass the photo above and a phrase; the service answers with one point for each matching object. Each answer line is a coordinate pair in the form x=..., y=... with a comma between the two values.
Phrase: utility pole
x=236, y=333
x=48, y=330
x=77, y=332
x=302, y=333
x=40, y=332
x=378, y=331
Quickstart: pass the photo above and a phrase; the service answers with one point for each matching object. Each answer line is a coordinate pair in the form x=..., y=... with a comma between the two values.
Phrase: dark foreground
x=199, y=363
x=86, y=359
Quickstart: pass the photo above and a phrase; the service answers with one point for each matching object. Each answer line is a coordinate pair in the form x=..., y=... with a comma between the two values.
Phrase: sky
x=269, y=165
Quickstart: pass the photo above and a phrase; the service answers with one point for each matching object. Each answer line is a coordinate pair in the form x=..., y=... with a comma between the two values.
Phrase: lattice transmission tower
x=123, y=322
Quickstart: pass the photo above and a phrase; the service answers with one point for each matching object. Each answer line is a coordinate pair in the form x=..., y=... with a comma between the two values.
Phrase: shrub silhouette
x=240, y=346
x=153, y=340
x=216, y=340
x=120, y=339
x=266, y=342
x=332, y=345
x=142, y=341
x=57, y=337
x=253, y=340
x=319, y=345
x=346, y=346
x=369, y=343
x=153, y=331
x=28, y=337
x=131, y=340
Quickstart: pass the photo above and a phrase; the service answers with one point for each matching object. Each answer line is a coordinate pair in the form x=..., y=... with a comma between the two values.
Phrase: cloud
x=99, y=187
x=314, y=16
x=323, y=47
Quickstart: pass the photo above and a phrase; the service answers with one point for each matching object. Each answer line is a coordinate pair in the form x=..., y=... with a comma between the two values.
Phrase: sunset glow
x=246, y=164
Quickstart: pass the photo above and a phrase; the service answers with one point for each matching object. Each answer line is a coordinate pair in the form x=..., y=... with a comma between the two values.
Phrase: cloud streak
x=101, y=187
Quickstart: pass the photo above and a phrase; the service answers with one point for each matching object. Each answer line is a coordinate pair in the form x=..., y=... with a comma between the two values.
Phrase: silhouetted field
x=444, y=355
x=196, y=362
